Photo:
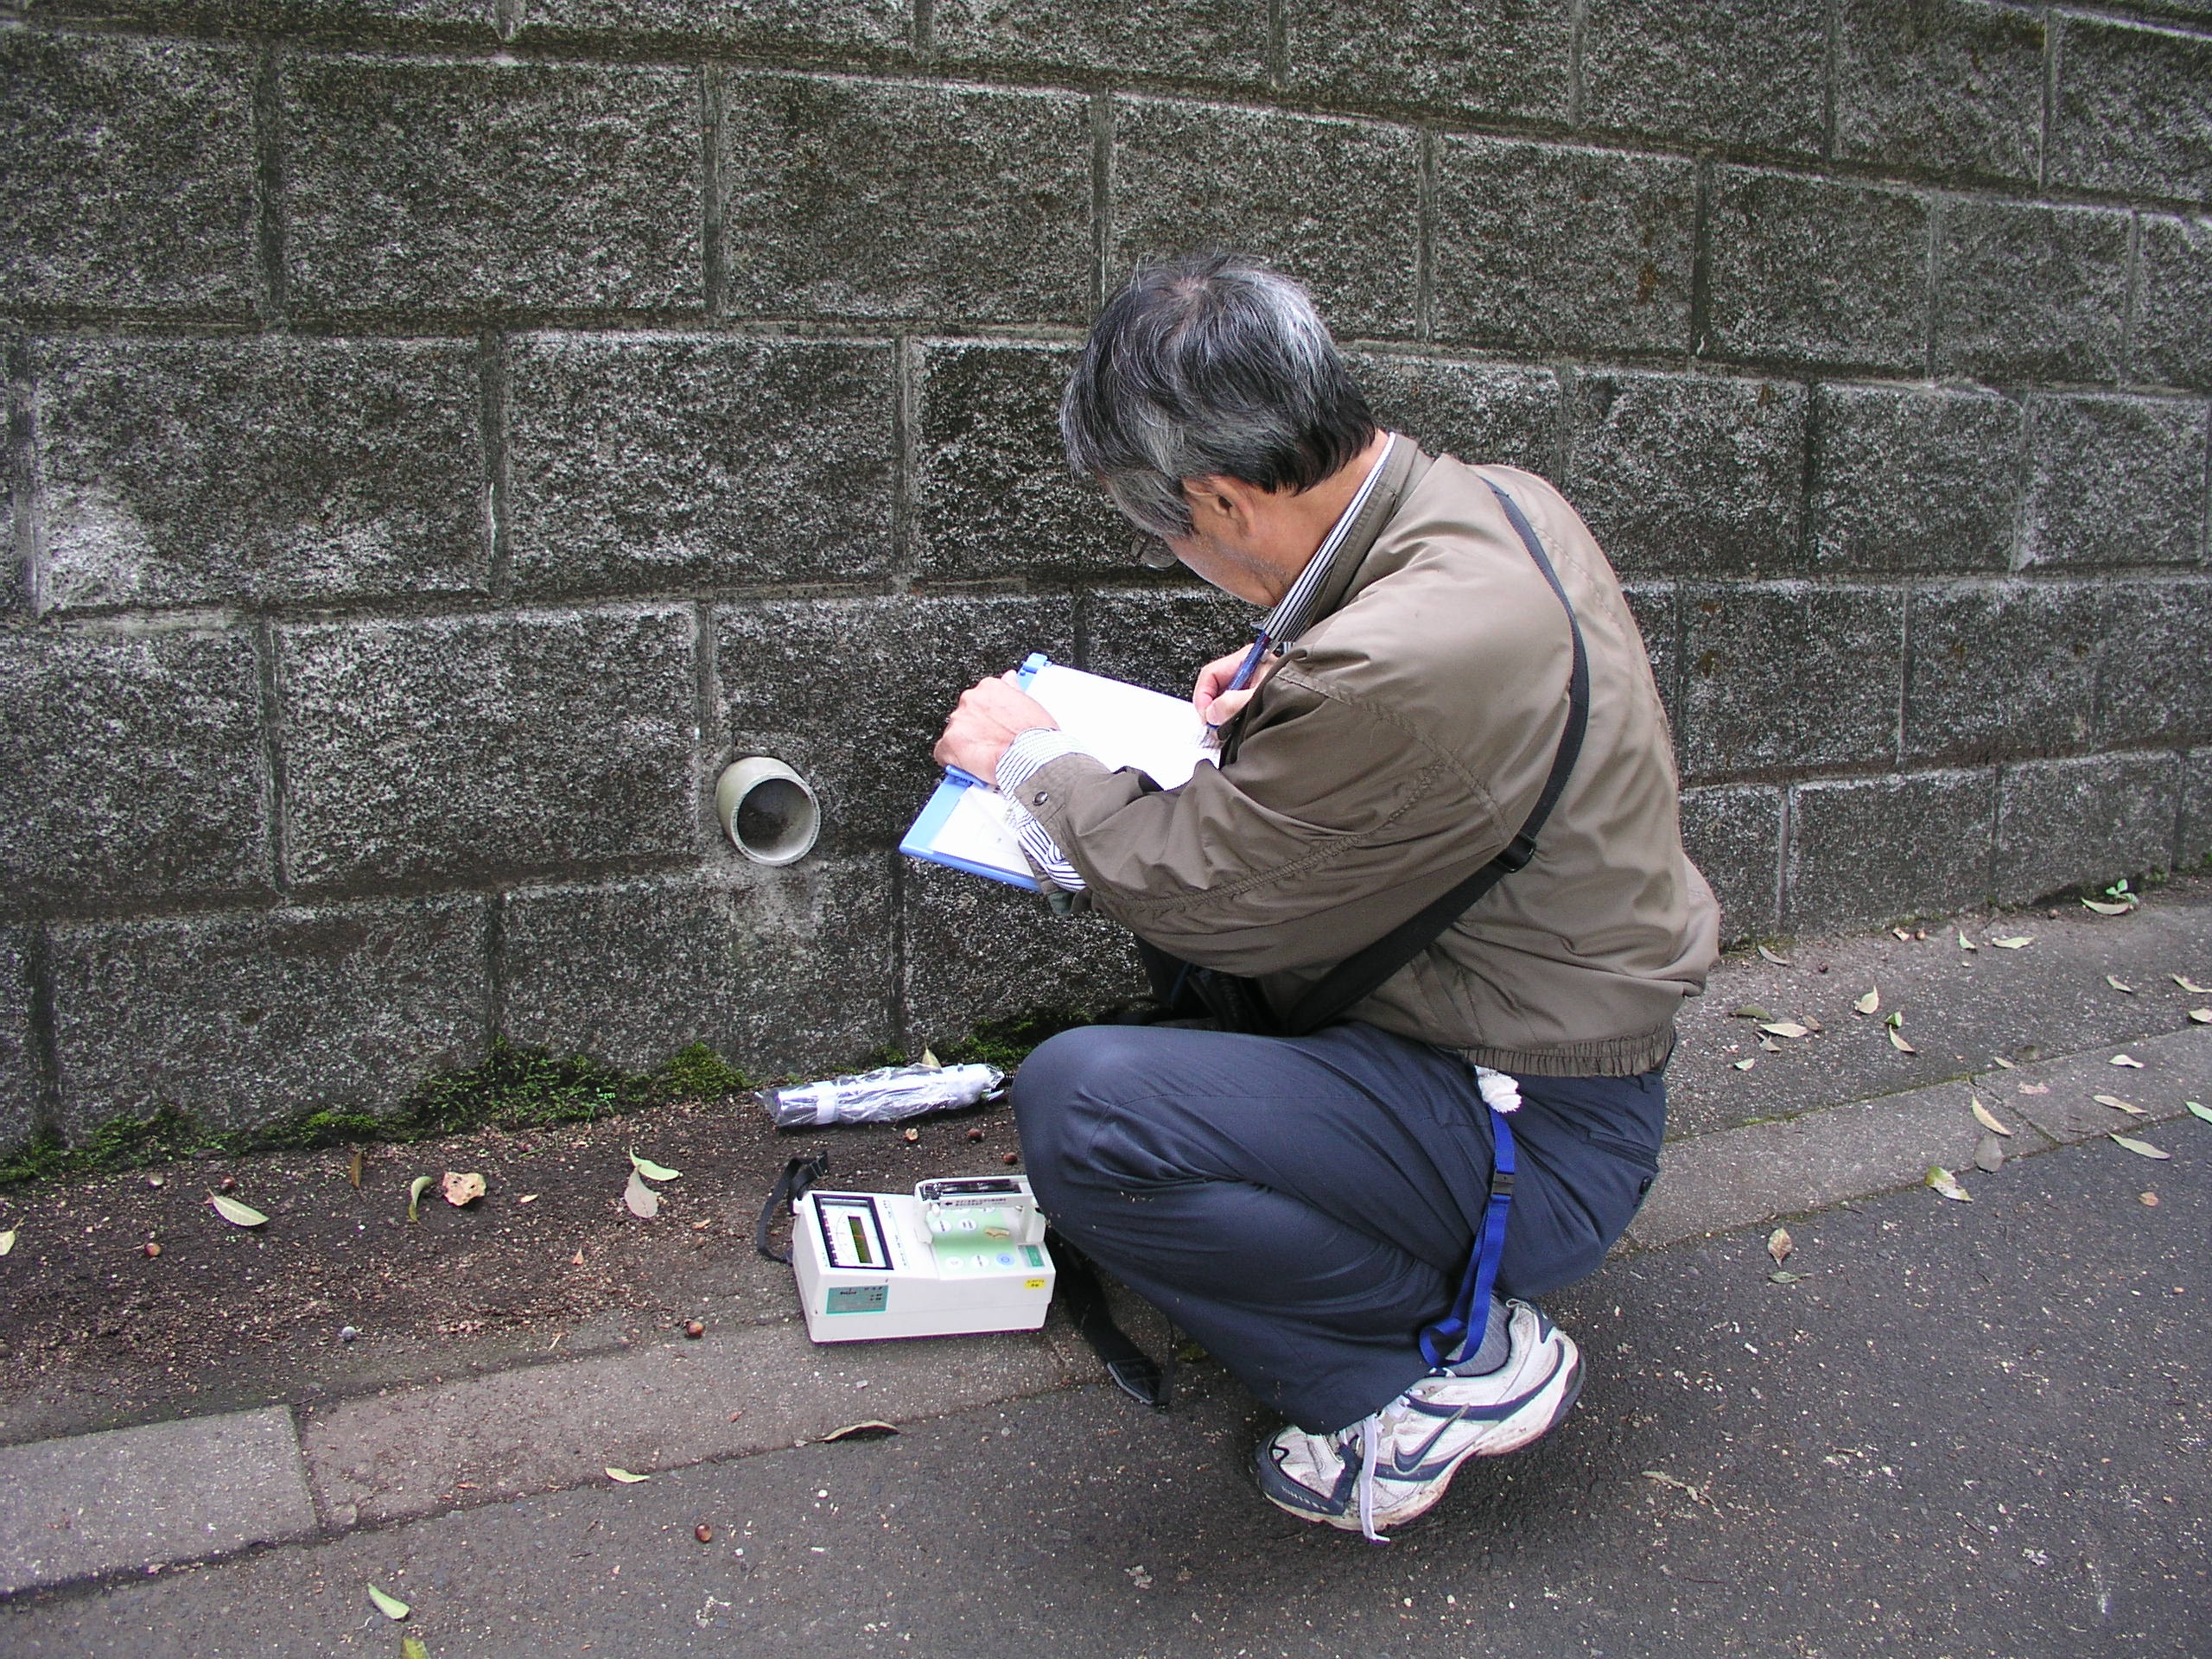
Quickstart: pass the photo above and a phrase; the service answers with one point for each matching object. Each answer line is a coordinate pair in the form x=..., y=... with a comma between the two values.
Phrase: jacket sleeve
x=1334, y=821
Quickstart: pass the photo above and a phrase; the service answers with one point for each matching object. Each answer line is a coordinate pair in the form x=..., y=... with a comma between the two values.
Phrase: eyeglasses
x=1154, y=554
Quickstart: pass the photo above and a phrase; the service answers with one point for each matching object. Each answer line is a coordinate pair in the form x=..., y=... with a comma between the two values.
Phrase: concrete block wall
x=441, y=433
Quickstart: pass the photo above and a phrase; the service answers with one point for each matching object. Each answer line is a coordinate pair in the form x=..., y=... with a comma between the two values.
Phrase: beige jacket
x=1400, y=743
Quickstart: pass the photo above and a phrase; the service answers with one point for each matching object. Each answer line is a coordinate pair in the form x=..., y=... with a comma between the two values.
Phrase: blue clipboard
x=917, y=843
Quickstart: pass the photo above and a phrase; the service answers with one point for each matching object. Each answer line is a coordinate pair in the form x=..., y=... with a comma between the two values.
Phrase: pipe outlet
x=768, y=809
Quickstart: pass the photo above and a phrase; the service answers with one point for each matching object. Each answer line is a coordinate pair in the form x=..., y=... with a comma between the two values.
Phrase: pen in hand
x=1237, y=682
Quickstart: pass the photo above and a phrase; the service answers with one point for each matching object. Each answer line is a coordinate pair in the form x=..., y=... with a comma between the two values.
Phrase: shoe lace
x=1370, y=1443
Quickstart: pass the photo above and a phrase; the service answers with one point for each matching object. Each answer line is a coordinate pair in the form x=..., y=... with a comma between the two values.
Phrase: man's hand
x=990, y=715
x=1217, y=707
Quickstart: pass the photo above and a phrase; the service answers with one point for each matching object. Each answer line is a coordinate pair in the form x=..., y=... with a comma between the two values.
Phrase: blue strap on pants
x=1439, y=1341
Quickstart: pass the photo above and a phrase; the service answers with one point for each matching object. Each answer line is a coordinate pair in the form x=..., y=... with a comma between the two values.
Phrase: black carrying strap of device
x=798, y=1179
x=1363, y=973
x=1076, y=1288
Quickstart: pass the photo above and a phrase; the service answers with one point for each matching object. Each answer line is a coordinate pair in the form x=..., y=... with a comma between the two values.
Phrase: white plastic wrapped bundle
x=883, y=1095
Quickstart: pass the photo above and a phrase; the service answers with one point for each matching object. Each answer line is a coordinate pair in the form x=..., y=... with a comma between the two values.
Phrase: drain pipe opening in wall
x=768, y=809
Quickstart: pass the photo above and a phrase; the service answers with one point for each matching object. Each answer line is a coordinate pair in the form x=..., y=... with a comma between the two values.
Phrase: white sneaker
x=1386, y=1469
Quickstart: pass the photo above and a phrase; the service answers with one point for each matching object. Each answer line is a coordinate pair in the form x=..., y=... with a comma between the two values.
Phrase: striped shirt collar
x=1295, y=608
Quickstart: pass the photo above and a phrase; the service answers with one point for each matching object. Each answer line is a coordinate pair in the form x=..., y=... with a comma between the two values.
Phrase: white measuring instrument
x=962, y=1254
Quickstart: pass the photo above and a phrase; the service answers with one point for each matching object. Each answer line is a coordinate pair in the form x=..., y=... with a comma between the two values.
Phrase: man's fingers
x=1215, y=675
x=1222, y=709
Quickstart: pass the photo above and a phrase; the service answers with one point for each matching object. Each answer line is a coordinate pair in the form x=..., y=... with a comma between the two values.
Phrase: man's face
x=1223, y=559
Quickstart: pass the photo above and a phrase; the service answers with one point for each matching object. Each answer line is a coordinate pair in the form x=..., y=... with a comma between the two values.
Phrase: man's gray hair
x=1211, y=365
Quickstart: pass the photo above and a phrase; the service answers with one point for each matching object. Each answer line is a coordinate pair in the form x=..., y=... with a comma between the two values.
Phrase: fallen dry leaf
x=577, y=1259
x=1749, y=1011
x=624, y=1476
x=460, y=1189
x=1787, y=1028
x=1987, y=1119
x=930, y=1059
x=354, y=1169
x=651, y=1170
x=1768, y=1046
x=1745, y=1064
x=1904, y=933
x=527, y=1197
x=2197, y=1107
x=1787, y=1277
x=1896, y=1017
x=1897, y=1042
x=2201, y=1016
x=1966, y=943
x=2002, y=1061
x=1778, y=1245
x=2103, y=909
x=2127, y=1060
x=1779, y=961
x=239, y=1215
x=1870, y=1003
x=868, y=1431
x=2141, y=1149
x=416, y=1189
x=2119, y=984
x=2149, y=1200
x=2035, y=1087
x=411, y=1647
x=643, y=1202
x=2119, y=1105
x=1946, y=1183
x=1989, y=1156
x=391, y=1606
x=2190, y=985
x=2014, y=942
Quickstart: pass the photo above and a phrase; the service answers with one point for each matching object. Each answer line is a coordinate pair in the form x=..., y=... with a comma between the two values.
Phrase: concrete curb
x=127, y=1500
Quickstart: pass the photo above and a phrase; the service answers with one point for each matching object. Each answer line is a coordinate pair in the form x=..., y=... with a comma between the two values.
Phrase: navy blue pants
x=1302, y=1206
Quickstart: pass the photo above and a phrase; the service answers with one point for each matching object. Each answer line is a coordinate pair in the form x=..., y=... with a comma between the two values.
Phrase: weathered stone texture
x=1481, y=412
x=474, y=21
x=1685, y=474
x=2154, y=687
x=1739, y=72
x=20, y=1083
x=2030, y=293
x=2114, y=480
x=1493, y=59
x=1913, y=481
x=992, y=480
x=1955, y=86
x=1734, y=838
x=244, y=1021
x=1161, y=636
x=476, y=185
x=2130, y=111
x=130, y=174
x=1198, y=40
x=1809, y=270
x=1788, y=674
x=131, y=766
x=1189, y=175
x=2172, y=344
x=2193, y=845
x=2001, y=669
x=851, y=693
x=775, y=970
x=646, y=461
x=467, y=745
x=979, y=950
x=803, y=26
x=262, y=469
x=1656, y=607
x=1545, y=248
x=868, y=198
x=2067, y=823
x=1876, y=850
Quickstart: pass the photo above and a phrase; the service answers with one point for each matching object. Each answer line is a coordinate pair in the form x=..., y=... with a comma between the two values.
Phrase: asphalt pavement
x=1962, y=1430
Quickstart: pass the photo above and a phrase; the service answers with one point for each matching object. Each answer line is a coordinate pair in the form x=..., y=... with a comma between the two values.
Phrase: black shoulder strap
x=1361, y=973
x=798, y=1177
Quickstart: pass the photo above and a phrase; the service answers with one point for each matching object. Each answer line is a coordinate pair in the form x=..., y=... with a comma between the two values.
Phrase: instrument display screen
x=852, y=1233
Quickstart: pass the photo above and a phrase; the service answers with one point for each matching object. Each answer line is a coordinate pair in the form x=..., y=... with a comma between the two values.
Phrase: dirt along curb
x=326, y=1460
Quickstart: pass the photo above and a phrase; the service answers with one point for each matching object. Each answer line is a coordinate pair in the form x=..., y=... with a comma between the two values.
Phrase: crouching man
x=1434, y=897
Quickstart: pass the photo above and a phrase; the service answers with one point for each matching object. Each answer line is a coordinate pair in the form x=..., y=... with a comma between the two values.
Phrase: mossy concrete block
x=1913, y=481
x=1951, y=86
x=1688, y=474
x=1656, y=607
x=1733, y=835
x=1788, y=674
x=2171, y=344
x=979, y=951
x=1739, y=72
x=1875, y=849
x=852, y=693
x=1484, y=413
x=454, y=746
x=131, y=766
x=1190, y=40
x=652, y=462
x=1192, y=175
x=2114, y=480
x=1545, y=248
x=21, y=1085
x=875, y=26
x=870, y=199
x=2069, y=823
x=2130, y=114
x=418, y=22
x=2154, y=686
x=246, y=1021
x=2027, y=293
x=263, y=469
x=777, y=970
x=481, y=184
x=130, y=174
x=1488, y=60
x=1812, y=270
x=1161, y=636
x=2001, y=669
x=994, y=493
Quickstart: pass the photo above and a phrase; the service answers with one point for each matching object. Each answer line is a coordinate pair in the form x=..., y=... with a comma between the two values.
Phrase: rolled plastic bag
x=884, y=1096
